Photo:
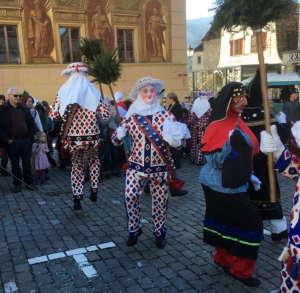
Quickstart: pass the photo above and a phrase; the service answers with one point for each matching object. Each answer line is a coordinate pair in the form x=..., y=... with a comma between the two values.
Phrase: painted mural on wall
x=155, y=29
x=127, y=5
x=39, y=31
x=98, y=22
x=69, y=2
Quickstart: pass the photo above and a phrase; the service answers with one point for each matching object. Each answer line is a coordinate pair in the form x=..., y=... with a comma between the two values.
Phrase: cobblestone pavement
x=47, y=247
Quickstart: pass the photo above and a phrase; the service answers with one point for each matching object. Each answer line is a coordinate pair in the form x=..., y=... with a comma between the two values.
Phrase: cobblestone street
x=47, y=247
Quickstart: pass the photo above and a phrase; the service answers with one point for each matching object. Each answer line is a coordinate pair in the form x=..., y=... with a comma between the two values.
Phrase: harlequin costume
x=148, y=128
x=232, y=223
x=197, y=120
x=254, y=118
x=76, y=103
x=289, y=166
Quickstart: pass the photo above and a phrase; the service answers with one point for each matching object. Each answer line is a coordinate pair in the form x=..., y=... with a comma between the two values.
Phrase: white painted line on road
x=73, y=252
x=106, y=245
x=85, y=266
x=56, y=255
x=76, y=251
x=39, y=259
x=81, y=260
x=267, y=232
x=89, y=271
x=10, y=287
x=92, y=248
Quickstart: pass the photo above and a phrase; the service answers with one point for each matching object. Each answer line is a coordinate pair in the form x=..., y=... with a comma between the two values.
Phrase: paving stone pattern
x=37, y=224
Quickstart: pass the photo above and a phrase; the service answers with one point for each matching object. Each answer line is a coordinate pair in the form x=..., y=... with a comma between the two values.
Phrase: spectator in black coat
x=17, y=130
x=174, y=106
x=176, y=109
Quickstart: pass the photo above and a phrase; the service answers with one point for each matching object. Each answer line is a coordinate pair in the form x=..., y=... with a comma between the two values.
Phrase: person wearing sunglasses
x=17, y=130
x=187, y=103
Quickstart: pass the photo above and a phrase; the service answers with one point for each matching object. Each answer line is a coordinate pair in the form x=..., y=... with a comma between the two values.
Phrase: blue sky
x=198, y=8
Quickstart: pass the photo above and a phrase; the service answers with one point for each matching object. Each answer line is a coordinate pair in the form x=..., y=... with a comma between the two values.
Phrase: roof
x=199, y=48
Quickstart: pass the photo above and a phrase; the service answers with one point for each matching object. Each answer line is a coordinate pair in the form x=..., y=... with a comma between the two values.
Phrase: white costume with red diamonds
x=146, y=163
x=146, y=160
x=83, y=134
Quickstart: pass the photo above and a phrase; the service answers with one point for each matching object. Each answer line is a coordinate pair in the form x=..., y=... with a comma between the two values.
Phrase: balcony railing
x=292, y=40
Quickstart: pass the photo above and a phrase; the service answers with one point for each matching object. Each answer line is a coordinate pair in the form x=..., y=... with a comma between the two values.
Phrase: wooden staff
x=275, y=109
x=264, y=91
x=101, y=91
x=119, y=120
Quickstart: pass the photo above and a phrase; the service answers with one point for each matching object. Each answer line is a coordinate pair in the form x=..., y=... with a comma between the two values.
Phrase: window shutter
x=264, y=37
x=240, y=48
x=231, y=48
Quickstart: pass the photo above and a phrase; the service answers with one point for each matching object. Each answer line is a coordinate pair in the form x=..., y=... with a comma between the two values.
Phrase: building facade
x=38, y=38
x=231, y=57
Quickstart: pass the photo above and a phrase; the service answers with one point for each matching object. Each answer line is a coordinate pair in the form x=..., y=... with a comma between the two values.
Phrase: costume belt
x=158, y=143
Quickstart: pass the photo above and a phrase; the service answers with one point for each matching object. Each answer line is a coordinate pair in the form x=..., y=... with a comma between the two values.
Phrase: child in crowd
x=41, y=163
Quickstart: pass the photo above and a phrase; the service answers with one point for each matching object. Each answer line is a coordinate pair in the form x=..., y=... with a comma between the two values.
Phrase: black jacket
x=176, y=110
x=5, y=122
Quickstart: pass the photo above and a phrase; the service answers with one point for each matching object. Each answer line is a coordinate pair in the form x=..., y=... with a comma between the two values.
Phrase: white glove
x=121, y=132
x=296, y=132
x=256, y=182
x=271, y=143
x=172, y=142
x=281, y=118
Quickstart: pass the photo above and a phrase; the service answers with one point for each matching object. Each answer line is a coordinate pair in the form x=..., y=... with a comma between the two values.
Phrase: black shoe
x=192, y=162
x=249, y=282
x=5, y=174
x=161, y=242
x=147, y=189
x=17, y=188
x=280, y=236
x=107, y=176
x=31, y=187
x=77, y=204
x=175, y=192
x=131, y=241
x=100, y=180
x=225, y=269
x=116, y=174
x=93, y=195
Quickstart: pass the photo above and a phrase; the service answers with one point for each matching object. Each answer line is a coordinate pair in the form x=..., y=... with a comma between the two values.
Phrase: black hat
x=294, y=91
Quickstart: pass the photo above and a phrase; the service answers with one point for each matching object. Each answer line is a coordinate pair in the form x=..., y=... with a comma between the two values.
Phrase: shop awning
x=274, y=79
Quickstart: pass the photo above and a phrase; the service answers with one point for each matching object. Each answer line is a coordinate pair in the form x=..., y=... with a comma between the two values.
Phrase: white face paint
x=148, y=94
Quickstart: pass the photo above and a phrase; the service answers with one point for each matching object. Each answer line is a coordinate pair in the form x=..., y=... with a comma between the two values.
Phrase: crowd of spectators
x=23, y=116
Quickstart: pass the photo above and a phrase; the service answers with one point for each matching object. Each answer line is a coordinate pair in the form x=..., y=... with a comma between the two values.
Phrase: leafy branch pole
x=104, y=67
x=236, y=16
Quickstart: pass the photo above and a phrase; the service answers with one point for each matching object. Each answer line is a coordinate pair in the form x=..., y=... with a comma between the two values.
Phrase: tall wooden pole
x=101, y=91
x=264, y=90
